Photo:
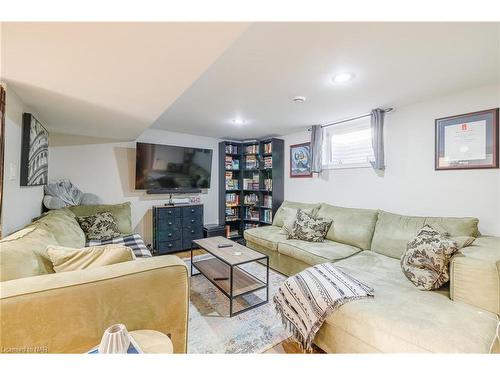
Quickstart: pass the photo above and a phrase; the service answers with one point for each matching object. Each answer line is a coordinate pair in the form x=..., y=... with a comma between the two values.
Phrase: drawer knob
x=170, y=212
x=192, y=220
x=169, y=223
x=192, y=231
x=170, y=234
x=170, y=245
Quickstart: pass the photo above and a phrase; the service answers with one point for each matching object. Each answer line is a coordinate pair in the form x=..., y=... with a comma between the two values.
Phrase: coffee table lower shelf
x=232, y=280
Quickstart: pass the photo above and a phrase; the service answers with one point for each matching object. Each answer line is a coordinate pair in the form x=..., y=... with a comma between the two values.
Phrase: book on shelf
x=251, y=199
x=232, y=212
x=251, y=162
x=231, y=183
x=267, y=216
x=268, y=184
x=268, y=201
x=250, y=225
x=251, y=183
x=268, y=148
x=232, y=163
x=268, y=162
x=232, y=199
x=231, y=149
x=251, y=213
x=252, y=149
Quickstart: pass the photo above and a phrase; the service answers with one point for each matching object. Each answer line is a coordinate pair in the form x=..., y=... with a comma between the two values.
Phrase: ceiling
x=114, y=80
x=110, y=80
x=270, y=63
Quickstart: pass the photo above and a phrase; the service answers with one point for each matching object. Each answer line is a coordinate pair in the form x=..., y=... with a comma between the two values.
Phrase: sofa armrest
x=68, y=312
x=475, y=274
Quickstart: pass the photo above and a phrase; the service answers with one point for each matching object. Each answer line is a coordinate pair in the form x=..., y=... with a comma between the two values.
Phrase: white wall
x=411, y=185
x=20, y=204
x=108, y=170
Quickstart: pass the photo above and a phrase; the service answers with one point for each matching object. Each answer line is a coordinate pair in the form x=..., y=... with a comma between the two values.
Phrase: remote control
x=224, y=245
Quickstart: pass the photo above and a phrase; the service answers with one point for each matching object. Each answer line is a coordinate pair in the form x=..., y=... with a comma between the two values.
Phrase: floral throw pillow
x=290, y=217
x=101, y=226
x=309, y=228
x=426, y=259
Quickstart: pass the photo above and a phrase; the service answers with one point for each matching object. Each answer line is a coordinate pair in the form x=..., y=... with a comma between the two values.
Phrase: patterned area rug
x=211, y=330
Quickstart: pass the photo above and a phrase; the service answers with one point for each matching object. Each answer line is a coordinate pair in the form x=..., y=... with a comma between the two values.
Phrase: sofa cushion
x=65, y=259
x=267, y=236
x=402, y=318
x=393, y=232
x=351, y=226
x=100, y=226
x=121, y=212
x=281, y=215
x=290, y=216
x=475, y=274
x=23, y=253
x=64, y=227
x=316, y=252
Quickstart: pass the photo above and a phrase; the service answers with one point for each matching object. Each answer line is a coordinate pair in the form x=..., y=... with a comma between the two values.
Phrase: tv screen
x=172, y=167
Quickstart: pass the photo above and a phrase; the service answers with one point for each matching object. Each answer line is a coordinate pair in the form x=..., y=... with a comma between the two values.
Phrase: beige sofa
x=368, y=244
x=43, y=311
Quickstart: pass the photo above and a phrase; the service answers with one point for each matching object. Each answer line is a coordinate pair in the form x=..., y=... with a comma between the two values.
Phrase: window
x=348, y=145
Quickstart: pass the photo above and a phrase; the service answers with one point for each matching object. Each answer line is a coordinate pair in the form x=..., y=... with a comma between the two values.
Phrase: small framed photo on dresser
x=468, y=141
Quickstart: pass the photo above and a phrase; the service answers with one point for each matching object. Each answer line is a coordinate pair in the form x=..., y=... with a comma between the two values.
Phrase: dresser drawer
x=169, y=233
x=193, y=211
x=165, y=247
x=188, y=235
x=169, y=222
x=169, y=213
x=191, y=222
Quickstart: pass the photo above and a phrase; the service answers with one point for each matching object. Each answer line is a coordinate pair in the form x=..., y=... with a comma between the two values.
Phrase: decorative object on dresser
x=175, y=227
x=251, y=183
x=468, y=141
x=34, y=152
x=300, y=160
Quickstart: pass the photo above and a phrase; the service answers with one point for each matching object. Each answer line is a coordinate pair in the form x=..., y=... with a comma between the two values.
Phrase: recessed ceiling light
x=238, y=121
x=299, y=99
x=342, y=77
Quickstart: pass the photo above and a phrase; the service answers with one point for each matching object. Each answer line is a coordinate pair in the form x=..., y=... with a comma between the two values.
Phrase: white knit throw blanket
x=306, y=299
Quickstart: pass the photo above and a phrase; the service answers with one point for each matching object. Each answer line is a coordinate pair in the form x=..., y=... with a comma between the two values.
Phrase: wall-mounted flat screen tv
x=172, y=168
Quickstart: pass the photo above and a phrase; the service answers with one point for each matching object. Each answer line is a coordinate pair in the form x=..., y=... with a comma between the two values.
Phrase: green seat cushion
x=280, y=216
x=121, y=212
x=393, y=232
x=267, y=236
x=316, y=252
x=63, y=225
x=23, y=253
x=351, y=226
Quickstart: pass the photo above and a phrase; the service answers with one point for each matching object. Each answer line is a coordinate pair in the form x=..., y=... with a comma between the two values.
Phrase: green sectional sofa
x=368, y=244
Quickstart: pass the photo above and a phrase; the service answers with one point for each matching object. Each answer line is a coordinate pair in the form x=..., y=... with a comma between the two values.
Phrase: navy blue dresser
x=174, y=227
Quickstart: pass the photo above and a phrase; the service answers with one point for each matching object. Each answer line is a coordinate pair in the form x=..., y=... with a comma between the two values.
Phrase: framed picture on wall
x=468, y=141
x=300, y=160
x=34, y=152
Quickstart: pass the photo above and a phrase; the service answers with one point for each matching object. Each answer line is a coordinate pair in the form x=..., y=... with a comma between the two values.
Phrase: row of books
x=252, y=214
x=231, y=149
x=267, y=216
x=231, y=183
x=250, y=225
x=231, y=232
x=268, y=201
x=268, y=162
x=251, y=149
x=268, y=184
x=251, y=162
x=232, y=212
x=251, y=198
x=268, y=148
x=232, y=199
x=251, y=183
x=232, y=163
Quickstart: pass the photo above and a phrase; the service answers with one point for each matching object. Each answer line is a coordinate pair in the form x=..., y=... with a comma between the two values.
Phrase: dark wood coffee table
x=223, y=269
